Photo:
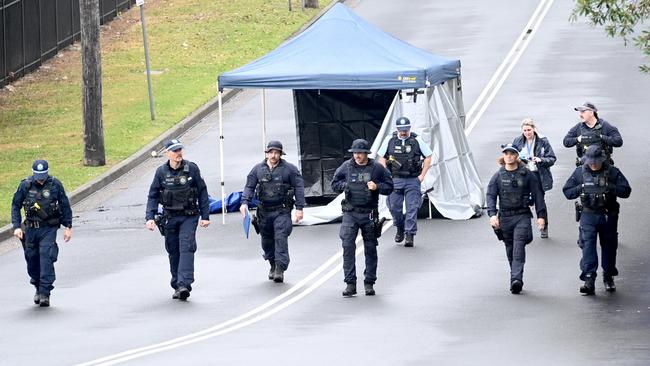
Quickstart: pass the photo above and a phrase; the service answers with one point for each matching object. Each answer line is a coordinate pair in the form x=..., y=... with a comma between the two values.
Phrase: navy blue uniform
x=184, y=197
x=357, y=207
x=597, y=191
x=603, y=134
x=46, y=208
x=277, y=189
x=513, y=189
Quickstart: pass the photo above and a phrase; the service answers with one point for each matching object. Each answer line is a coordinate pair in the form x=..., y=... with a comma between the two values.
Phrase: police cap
x=274, y=145
x=403, y=123
x=40, y=169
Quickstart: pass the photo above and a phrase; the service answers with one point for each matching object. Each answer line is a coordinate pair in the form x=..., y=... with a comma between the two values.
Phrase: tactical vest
x=40, y=204
x=595, y=193
x=514, y=193
x=177, y=195
x=592, y=136
x=272, y=192
x=407, y=156
x=357, y=195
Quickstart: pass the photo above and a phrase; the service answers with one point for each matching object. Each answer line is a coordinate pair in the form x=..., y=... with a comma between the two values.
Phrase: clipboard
x=246, y=223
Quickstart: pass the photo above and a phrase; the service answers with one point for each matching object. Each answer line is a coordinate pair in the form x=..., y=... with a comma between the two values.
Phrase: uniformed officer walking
x=592, y=130
x=179, y=187
x=278, y=185
x=597, y=184
x=46, y=207
x=408, y=158
x=515, y=187
x=362, y=180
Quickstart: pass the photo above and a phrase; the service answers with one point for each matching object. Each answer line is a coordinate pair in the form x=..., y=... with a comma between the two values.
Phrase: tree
x=621, y=18
x=311, y=4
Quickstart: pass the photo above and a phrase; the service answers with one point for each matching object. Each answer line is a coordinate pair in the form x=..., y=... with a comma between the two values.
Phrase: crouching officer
x=46, y=207
x=515, y=187
x=278, y=185
x=597, y=184
x=592, y=130
x=180, y=189
x=402, y=153
x=362, y=180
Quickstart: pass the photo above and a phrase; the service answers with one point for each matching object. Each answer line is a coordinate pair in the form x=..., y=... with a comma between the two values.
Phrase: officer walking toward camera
x=515, y=187
x=597, y=184
x=362, y=180
x=593, y=130
x=278, y=185
x=402, y=153
x=179, y=187
x=46, y=207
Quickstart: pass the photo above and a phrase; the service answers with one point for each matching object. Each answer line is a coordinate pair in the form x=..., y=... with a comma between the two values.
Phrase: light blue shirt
x=424, y=148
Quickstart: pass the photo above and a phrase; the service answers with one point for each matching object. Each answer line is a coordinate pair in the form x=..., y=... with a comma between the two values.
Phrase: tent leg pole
x=430, y=210
x=263, y=119
x=223, y=188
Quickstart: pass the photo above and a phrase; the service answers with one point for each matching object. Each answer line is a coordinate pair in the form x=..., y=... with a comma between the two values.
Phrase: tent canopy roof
x=342, y=51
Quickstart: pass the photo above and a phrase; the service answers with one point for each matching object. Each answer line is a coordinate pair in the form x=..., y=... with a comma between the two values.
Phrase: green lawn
x=191, y=42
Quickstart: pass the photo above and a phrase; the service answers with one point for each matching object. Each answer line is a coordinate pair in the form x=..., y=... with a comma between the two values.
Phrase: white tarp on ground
x=438, y=116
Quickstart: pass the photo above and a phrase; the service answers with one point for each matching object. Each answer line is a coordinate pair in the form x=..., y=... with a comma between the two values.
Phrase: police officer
x=278, y=185
x=362, y=180
x=180, y=189
x=592, y=131
x=597, y=184
x=402, y=153
x=515, y=187
x=46, y=207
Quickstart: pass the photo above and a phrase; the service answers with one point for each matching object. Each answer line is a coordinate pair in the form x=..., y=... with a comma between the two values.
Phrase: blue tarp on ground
x=233, y=201
x=343, y=51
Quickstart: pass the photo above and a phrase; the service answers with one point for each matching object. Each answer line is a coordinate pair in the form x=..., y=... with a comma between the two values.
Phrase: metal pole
x=263, y=119
x=223, y=188
x=146, y=59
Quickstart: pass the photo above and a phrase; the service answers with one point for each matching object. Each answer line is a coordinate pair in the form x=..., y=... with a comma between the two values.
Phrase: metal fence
x=32, y=31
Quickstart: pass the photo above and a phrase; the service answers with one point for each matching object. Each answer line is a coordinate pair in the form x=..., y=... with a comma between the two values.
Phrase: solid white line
x=240, y=321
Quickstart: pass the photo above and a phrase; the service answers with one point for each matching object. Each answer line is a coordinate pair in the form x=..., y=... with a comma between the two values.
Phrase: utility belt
x=514, y=212
x=32, y=224
x=273, y=208
x=174, y=213
x=349, y=208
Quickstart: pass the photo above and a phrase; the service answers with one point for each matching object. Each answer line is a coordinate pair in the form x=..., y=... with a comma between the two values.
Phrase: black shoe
x=272, y=272
x=278, y=276
x=399, y=235
x=350, y=290
x=176, y=295
x=44, y=300
x=589, y=287
x=516, y=286
x=610, y=286
x=544, y=233
x=370, y=291
x=409, y=240
x=183, y=293
x=37, y=298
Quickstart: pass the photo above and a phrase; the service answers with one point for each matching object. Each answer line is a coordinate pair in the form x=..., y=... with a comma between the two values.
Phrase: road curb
x=144, y=153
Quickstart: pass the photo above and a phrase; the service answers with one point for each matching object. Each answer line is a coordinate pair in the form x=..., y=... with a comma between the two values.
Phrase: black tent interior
x=327, y=122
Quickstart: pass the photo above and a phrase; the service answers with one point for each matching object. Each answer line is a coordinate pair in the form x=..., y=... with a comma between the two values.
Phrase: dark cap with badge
x=594, y=155
x=40, y=169
x=510, y=147
x=275, y=145
x=586, y=106
x=403, y=124
x=173, y=145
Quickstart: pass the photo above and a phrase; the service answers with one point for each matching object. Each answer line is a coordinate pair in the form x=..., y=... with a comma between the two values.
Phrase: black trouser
x=352, y=222
x=180, y=243
x=592, y=225
x=275, y=228
x=517, y=232
x=41, y=251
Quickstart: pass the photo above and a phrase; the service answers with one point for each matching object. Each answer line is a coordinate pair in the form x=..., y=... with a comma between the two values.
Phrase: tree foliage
x=620, y=18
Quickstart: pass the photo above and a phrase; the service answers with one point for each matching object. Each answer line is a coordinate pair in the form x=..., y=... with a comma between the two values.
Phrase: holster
x=499, y=233
x=161, y=222
x=579, y=208
x=378, y=223
x=256, y=223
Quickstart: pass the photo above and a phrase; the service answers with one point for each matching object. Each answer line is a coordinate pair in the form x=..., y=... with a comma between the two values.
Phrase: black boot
x=589, y=287
x=44, y=301
x=399, y=235
x=610, y=286
x=183, y=293
x=544, y=232
x=272, y=271
x=278, y=276
x=370, y=291
x=176, y=295
x=350, y=290
x=37, y=298
x=516, y=286
x=409, y=240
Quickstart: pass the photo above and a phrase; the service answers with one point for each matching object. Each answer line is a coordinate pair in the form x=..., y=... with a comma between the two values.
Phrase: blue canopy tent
x=341, y=51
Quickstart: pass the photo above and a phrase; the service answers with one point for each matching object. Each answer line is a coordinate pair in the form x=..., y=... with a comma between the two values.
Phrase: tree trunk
x=311, y=4
x=91, y=91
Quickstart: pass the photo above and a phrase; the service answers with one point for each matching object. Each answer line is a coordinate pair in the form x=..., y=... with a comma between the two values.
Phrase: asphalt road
x=446, y=301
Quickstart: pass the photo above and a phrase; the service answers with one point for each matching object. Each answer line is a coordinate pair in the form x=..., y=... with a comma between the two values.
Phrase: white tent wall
x=437, y=116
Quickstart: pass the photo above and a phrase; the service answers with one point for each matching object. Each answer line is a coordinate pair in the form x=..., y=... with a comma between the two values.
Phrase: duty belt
x=362, y=210
x=513, y=212
x=181, y=213
x=272, y=208
x=37, y=224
